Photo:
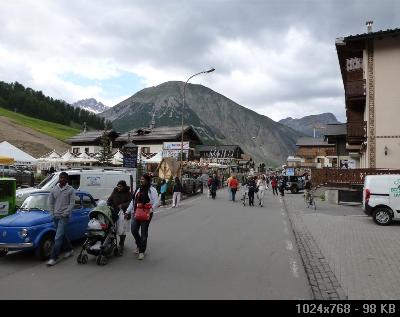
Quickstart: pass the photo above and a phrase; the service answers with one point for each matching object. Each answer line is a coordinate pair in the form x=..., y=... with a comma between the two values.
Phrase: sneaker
x=51, y=262
x=141, y=256
x=68, y=254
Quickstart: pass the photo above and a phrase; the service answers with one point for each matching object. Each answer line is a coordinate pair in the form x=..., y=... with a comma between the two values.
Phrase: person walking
x=252, y=186
x=233, y=184
x=229, y=188
x=119, y=202
x=62, y=202
x=214, y=186
x=262, y=187
x=163, y=191
x=274, y=185
x=282, y=186
x=177, y=192
x=145, y=194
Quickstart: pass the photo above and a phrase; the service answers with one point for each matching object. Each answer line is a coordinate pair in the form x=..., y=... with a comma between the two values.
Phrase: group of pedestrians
x=123, y=204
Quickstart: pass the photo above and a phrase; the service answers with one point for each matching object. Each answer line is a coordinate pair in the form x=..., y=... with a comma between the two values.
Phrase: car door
x=75, y=219
x=88, y=204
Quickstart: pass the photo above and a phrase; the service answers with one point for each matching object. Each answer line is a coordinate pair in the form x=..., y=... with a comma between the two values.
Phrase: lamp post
x=183, y=106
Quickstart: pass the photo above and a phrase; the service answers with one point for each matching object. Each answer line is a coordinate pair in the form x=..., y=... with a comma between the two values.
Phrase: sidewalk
x=363, y=256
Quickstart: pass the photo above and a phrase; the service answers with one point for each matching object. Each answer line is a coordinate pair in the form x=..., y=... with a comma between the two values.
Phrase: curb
x=322, y=280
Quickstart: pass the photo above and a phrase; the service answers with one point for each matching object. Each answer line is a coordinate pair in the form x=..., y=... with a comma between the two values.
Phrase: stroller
x=101, y=238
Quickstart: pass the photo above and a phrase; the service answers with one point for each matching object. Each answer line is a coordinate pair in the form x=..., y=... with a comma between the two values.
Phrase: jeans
x=261, y=194
x=163, y=198
x=61, y=238
x=176, y=199
x=251, y=198
x=230, y=193
x=275, y=190
x=233, y=191
x=141, y=239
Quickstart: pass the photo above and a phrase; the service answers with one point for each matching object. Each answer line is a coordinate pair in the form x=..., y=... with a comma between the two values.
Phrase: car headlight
x=24, y=233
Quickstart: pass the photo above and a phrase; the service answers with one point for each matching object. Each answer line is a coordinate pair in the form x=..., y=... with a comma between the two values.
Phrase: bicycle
x=309, y=199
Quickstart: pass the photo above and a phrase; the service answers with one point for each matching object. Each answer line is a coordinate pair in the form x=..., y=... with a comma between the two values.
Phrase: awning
x=6, y=160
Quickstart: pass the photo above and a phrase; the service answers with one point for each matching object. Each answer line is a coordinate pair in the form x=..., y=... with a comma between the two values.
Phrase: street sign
x=290, y=171
x=129, y=161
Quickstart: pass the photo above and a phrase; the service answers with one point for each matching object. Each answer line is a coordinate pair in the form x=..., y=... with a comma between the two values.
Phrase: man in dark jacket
x=252, y=186
x=119, y=202
x=214, y=186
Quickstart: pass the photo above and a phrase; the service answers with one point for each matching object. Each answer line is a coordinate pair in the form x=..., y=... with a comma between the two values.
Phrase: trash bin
x=7, y=196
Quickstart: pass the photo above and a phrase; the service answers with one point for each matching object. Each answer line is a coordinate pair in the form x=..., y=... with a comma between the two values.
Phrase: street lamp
x=184, y=93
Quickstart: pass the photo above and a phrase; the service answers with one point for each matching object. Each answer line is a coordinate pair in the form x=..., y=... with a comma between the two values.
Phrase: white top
x=154, y=201
x=262, y=184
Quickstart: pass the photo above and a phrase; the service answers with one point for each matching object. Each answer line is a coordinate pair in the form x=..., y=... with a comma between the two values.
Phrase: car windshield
x=45, y=181
x=36, y=202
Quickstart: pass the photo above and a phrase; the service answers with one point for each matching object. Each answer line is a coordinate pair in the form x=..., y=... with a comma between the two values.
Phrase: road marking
x=294, y=267
x=289, y=245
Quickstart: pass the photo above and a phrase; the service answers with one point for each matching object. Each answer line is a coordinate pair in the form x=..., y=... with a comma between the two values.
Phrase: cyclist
x=307, y=188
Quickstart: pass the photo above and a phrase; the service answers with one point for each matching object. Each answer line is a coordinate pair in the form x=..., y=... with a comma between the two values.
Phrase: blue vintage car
x=32, y=227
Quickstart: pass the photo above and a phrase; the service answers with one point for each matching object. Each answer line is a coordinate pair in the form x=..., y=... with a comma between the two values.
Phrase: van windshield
x=45, y=181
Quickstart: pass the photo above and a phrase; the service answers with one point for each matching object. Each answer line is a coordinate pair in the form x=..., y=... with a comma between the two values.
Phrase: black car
x=294, y=184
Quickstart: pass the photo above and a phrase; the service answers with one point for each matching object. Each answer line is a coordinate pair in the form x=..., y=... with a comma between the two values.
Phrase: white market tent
x=118, y=158
x=49, y=160
x=20, y=157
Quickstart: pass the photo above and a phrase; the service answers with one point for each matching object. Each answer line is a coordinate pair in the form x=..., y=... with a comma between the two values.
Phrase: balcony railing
x=355, y=88
x=356, y=132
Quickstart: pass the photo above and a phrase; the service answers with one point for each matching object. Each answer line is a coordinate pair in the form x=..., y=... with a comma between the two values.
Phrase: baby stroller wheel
x=79, y=259
x=118, y=251
x=101, y=260
x=84, y=259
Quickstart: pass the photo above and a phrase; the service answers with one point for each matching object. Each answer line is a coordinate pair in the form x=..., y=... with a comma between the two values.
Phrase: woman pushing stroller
x=119, y=202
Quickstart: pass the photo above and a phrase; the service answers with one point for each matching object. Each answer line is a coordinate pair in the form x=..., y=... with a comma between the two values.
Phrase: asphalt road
x=204, y=249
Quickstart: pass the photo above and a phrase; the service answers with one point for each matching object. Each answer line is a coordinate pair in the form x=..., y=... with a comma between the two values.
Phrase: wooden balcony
x=355, y=89
x=356, y=132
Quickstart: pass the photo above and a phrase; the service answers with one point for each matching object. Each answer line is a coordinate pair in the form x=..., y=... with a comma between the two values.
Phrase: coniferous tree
x=105, y=155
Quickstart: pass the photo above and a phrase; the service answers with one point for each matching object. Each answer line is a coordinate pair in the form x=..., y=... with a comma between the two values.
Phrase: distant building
x=89, y=142
x=152, y=141
x=315, y=153
x=370, y=67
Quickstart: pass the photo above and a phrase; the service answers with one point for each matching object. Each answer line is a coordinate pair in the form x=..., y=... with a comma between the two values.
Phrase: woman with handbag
x=144, y=202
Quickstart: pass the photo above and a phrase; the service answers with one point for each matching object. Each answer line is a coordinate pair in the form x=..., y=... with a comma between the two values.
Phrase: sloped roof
x=307, y=141
x=207, y=148
x=336, y=129
x=158, y=133
x=89, y=136
x=381, y=33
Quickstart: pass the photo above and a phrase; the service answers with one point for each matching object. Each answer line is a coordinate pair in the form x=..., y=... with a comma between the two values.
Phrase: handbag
x=142, y=212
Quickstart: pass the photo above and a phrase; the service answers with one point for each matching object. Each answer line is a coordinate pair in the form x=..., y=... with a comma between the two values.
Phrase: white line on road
x=289, y=245
x=294, y=267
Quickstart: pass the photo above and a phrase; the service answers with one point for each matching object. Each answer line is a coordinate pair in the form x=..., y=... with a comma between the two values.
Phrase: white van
x=381, y=198
x=99, y=183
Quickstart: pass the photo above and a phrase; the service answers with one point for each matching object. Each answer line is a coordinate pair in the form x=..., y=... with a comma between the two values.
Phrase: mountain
x=91, y=105
x=216, y=118
x=306, y=124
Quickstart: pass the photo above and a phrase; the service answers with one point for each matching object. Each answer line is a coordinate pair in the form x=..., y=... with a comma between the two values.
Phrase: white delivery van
x=381, y=198
x=99, y=183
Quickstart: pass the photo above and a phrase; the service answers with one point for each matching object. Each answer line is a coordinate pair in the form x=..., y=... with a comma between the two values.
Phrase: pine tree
x=105, y=151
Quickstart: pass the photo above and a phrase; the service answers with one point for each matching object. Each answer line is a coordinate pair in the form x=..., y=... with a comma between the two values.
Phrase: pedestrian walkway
x=365, y=257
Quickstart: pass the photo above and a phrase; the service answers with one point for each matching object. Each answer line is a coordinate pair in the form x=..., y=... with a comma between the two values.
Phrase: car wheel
x=43, y=251
x=382, y=216
x=3, y=252
x=294, y=190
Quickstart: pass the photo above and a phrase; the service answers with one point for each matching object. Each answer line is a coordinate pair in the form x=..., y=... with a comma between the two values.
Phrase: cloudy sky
x=275, y=57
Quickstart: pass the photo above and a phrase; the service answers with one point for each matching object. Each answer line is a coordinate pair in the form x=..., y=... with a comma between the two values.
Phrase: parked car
x=32, y=226
x=8, y=171
x=294, y=183
x=191, y=185
x=381, y=198
x=99, y=183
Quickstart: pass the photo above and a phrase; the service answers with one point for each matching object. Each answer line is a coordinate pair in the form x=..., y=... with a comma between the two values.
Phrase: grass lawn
x=55, y=130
